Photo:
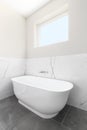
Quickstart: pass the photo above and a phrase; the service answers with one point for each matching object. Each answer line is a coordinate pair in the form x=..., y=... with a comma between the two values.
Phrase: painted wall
x=12, y=33
x=77, y=30
x=12, y=48
x=31, y=21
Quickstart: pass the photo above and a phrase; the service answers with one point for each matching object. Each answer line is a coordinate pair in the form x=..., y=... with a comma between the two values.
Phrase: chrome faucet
x=43, y=71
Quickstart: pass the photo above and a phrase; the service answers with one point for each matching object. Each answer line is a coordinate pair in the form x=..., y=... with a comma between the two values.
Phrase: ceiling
x=25, y=7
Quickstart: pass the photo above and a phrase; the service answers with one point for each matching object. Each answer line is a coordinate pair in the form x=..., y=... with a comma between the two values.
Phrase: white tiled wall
x=71, y=68
x=34, y=66
x=9, y=68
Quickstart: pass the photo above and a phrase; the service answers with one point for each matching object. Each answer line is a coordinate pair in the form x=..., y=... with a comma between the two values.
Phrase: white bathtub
x=43, y=96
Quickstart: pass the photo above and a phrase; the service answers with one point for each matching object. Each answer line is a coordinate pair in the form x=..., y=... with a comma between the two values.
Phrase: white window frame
x=49, y=18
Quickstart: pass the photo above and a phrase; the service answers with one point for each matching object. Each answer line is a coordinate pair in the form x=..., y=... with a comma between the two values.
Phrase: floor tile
x=50, y=125
x=76, y=119
x=62, y=114
x=10, y=113
x=8, y=102
x=13, y=116
x=33, y=122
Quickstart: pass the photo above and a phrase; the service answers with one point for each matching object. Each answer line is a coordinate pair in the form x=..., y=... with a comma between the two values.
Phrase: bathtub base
x=45, y=116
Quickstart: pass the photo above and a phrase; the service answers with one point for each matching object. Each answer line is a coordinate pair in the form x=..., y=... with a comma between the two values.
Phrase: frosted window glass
x=53, y=32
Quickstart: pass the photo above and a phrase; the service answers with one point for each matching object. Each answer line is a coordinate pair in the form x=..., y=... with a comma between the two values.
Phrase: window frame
x=48, y=19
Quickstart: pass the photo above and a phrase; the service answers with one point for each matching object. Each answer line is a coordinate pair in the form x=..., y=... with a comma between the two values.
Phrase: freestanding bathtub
x=45, y=97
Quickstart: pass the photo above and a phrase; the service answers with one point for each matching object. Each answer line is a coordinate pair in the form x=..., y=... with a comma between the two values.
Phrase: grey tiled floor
x=13, y=116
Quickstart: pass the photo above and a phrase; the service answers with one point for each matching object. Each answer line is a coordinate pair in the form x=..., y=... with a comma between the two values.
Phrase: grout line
x=52, y=63
x=66, y=115
x=6, y=70
x=25, y=67
x=60, y=123
x=55, y=121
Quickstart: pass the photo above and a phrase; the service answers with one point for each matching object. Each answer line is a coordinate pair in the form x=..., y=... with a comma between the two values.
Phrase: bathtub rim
x=53, y=90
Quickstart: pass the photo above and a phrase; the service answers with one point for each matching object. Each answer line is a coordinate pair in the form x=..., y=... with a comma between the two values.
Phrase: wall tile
x=71, y=68
x=3, y=67
x=35, y=66
x=9, y=68
x=16, y=67
x=6, y=88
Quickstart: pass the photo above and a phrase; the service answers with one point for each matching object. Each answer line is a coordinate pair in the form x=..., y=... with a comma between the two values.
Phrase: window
x=53, y=31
